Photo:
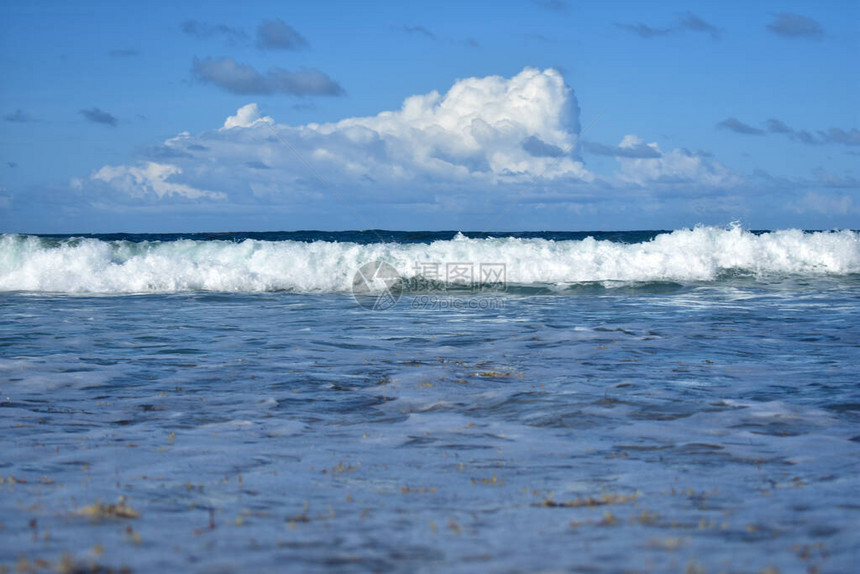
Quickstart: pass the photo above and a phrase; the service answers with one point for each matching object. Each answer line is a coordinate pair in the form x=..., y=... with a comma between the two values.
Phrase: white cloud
x=483, y=132
x=245, y=117
x=149, y=177
x=675, y=166
x=825, y=203
x=485, y=142
x=476, y=130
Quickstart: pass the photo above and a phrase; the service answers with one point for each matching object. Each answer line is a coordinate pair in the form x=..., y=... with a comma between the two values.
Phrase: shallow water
x=710, y=425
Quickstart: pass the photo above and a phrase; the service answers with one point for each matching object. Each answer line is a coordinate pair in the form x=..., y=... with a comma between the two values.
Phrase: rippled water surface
x=712, y=427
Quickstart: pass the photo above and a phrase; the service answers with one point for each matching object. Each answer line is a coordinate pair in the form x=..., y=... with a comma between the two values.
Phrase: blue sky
x=513, y=115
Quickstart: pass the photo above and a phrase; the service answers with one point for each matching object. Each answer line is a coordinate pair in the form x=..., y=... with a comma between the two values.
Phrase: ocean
x=654, y=401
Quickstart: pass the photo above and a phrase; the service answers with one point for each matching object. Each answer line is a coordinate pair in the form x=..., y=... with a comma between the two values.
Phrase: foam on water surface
x=88, y=265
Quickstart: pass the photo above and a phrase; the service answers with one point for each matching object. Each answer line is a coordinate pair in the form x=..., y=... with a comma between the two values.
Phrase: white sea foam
x=85, y=265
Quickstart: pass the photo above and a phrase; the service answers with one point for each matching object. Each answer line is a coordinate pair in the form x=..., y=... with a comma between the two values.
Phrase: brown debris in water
x=118, y=510
x=590, y=501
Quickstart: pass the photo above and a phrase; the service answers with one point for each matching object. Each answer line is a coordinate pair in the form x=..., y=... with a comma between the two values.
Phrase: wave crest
x=85, y=265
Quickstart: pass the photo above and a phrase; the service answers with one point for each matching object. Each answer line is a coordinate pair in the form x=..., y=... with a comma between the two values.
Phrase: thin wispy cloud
x=19, y=116
x=418, y=31
x=790, y=25
x=237, y=78
x=278, y=35
x=204, y=30
x=690, y=21
x=804, y=136
x=271, y=34
x=839, y=136
x=739, y=127
x=645, y=31
x=687, y=22
x=829, y=179
x=639, y=150
x=536, y=147
x=164, y=152
x=776, y=126
x=815, y=202
x=99, y=116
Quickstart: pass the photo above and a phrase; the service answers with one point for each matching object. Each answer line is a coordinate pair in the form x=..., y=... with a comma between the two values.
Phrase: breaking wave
x=704, y=254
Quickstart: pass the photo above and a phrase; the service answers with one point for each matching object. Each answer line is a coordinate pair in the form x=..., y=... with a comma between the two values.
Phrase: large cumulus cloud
x=485, y=146
x=483, y=131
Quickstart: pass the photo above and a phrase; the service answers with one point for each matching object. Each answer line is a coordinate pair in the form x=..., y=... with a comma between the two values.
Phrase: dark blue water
x=370, y=236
